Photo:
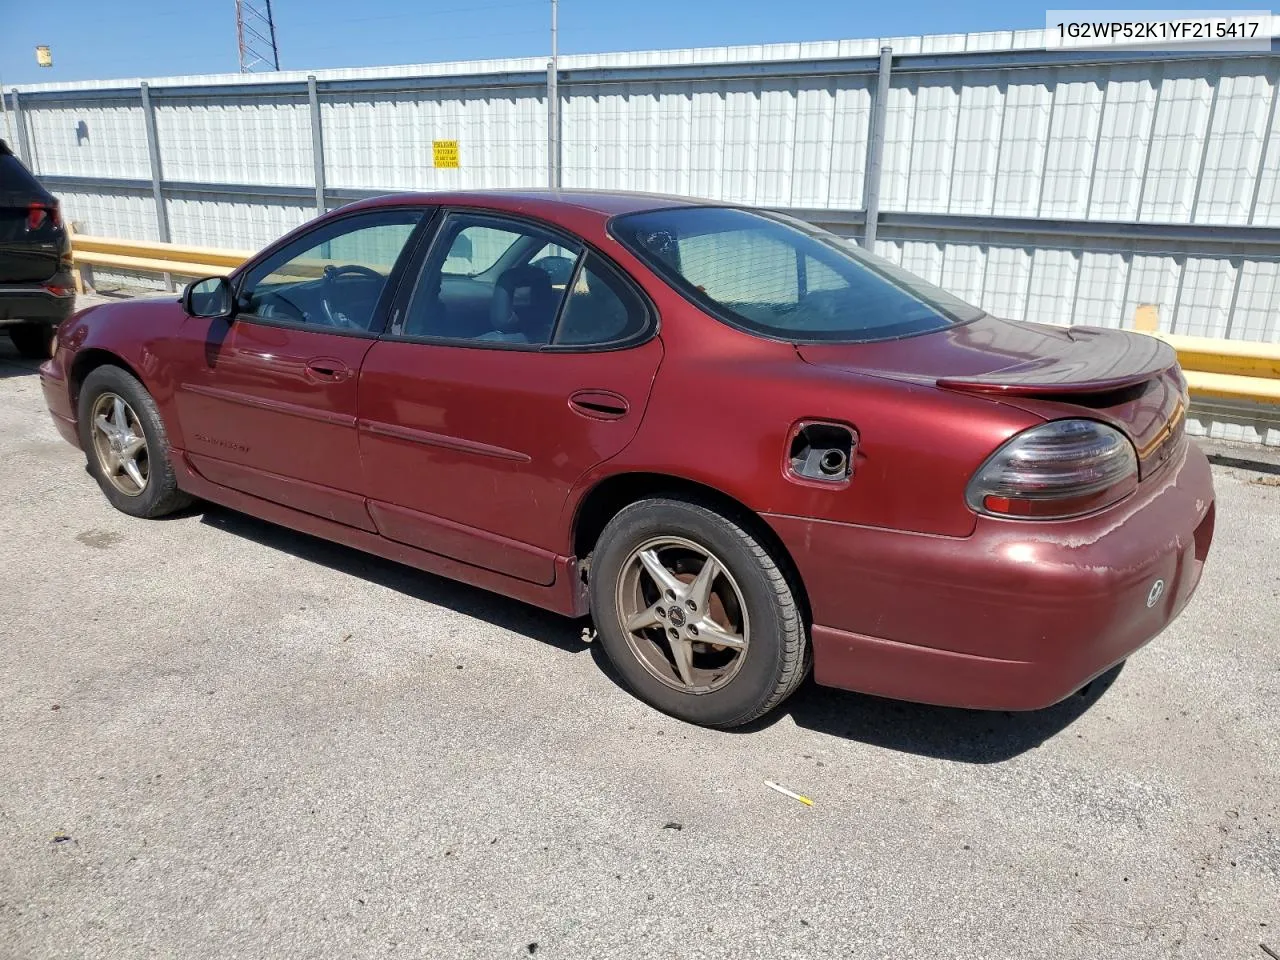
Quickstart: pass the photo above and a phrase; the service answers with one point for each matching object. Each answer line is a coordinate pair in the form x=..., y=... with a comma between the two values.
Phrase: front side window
x=333, y=276
x=783, y=279
x=490, y=281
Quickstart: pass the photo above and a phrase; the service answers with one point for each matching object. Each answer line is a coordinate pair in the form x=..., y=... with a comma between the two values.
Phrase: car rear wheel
x=34, y=341
x=696, y=614
x=124, y=438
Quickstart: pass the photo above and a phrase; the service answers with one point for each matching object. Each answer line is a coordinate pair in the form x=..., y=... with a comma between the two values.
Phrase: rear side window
x=476, y=249
x=490, y=281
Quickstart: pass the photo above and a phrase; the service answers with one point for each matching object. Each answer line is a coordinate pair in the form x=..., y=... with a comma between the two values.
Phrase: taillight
x=1063, y=468
x=38, y=213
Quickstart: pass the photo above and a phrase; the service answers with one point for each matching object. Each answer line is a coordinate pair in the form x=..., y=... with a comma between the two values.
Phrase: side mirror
x=210, y=297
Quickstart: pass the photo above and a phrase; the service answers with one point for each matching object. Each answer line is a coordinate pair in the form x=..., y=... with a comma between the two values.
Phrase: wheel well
x=614, y=493
x=86, y=362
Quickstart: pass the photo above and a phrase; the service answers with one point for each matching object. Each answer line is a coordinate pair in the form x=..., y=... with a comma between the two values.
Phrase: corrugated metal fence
x=1063, y=186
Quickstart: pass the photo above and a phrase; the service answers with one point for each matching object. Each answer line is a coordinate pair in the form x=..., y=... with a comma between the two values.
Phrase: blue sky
x=94, y=39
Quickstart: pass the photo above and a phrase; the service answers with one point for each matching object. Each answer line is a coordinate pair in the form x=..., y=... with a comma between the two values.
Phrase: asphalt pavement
x=219, y=738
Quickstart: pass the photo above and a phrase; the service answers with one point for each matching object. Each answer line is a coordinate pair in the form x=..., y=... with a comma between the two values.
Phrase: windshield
x=778, y=277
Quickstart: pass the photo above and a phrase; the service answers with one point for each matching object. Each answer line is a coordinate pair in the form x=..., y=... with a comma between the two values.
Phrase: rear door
x=267, y=401
x=480, y=410
x=31, y=234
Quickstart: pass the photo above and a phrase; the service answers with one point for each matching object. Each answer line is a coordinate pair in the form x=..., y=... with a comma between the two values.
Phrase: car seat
x=524, y=303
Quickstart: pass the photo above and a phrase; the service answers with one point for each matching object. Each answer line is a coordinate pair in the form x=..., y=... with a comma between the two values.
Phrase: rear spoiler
x=1093, y=360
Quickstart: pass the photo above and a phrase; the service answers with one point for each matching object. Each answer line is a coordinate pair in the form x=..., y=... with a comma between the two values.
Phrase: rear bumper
x=31, y=303
x=1015, y=617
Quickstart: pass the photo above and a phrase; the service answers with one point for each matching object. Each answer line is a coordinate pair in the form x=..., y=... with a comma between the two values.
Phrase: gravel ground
x=224, y=739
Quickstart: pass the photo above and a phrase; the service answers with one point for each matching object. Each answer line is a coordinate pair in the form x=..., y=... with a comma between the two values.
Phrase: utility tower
x=256, y=35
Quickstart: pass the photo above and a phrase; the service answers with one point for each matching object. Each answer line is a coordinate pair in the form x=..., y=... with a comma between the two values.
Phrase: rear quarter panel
x=722, y=411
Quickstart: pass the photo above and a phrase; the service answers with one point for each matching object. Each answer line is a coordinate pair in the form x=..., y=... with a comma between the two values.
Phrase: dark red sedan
x=741, y=444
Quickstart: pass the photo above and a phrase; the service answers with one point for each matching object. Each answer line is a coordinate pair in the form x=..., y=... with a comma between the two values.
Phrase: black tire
x=160, y=495
x=776, y=658
x=34, y=341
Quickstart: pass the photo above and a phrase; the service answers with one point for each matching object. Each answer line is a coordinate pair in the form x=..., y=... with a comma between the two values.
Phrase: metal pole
x=1204, y=152
x=1048, y=142
x=553, y=103
x=875, y=149
x=4, y=109
x=153, y=151
x=20, y=127
x=1266, y=146
x=317, y=143
x=275, y=49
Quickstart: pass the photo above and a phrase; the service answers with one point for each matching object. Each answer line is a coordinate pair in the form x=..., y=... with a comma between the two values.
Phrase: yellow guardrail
x=1221, y=369
x=148, y=257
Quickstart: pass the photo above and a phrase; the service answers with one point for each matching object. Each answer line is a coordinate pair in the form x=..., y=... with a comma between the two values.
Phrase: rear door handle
x=328, y=370
x=600, y=404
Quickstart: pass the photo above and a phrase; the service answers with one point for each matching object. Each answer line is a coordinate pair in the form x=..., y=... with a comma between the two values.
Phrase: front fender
x=142, y=335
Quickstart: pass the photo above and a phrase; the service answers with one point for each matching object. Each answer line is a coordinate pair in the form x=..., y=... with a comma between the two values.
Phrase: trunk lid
x=1125, y=379
x=26, y=255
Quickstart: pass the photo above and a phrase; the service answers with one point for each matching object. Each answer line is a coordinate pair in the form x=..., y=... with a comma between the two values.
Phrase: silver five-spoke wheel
x=120, y=444
x=683, y=614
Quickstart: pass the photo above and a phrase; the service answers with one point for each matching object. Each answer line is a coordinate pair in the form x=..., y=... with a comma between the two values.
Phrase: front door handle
x=599, y=404
x=328, y=370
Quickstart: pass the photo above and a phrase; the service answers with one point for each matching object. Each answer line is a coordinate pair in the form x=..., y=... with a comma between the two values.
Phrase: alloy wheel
x=683, y=614
x=120, y=444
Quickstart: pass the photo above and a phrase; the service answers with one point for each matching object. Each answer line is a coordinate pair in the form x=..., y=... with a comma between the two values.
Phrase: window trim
x=390, y=289
x=714, y=310
x=409, y=287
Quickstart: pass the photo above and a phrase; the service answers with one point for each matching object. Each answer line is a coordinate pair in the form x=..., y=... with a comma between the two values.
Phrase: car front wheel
x=128, y=450
x=695, y=613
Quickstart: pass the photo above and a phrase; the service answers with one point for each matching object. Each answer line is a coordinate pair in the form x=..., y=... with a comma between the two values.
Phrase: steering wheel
x=336, y=318
x=276, y=306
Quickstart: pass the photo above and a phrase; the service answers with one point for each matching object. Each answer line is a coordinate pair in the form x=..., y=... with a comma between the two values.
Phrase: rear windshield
x=783, y=279
x=16, y=184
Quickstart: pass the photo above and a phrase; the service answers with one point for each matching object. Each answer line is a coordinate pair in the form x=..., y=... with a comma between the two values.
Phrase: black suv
x=36, y=289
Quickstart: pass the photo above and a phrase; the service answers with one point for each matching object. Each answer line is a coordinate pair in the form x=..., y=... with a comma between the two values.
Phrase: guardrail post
x=875, y=149
x=153, y=151
x=317, y=143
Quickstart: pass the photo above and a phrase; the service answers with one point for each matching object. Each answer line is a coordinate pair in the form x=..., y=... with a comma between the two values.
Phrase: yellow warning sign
x=445, y=153
x=44, y=57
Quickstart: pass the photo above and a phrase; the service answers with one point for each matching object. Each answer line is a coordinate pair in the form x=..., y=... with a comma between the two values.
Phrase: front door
x=268, y=404
x=520, y=363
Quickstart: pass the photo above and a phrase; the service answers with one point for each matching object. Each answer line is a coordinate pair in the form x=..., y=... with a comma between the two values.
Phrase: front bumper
x=1016, y=616
x=57, y=397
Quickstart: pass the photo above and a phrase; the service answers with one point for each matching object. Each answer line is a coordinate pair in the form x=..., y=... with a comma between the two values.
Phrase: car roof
x=606, y=203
